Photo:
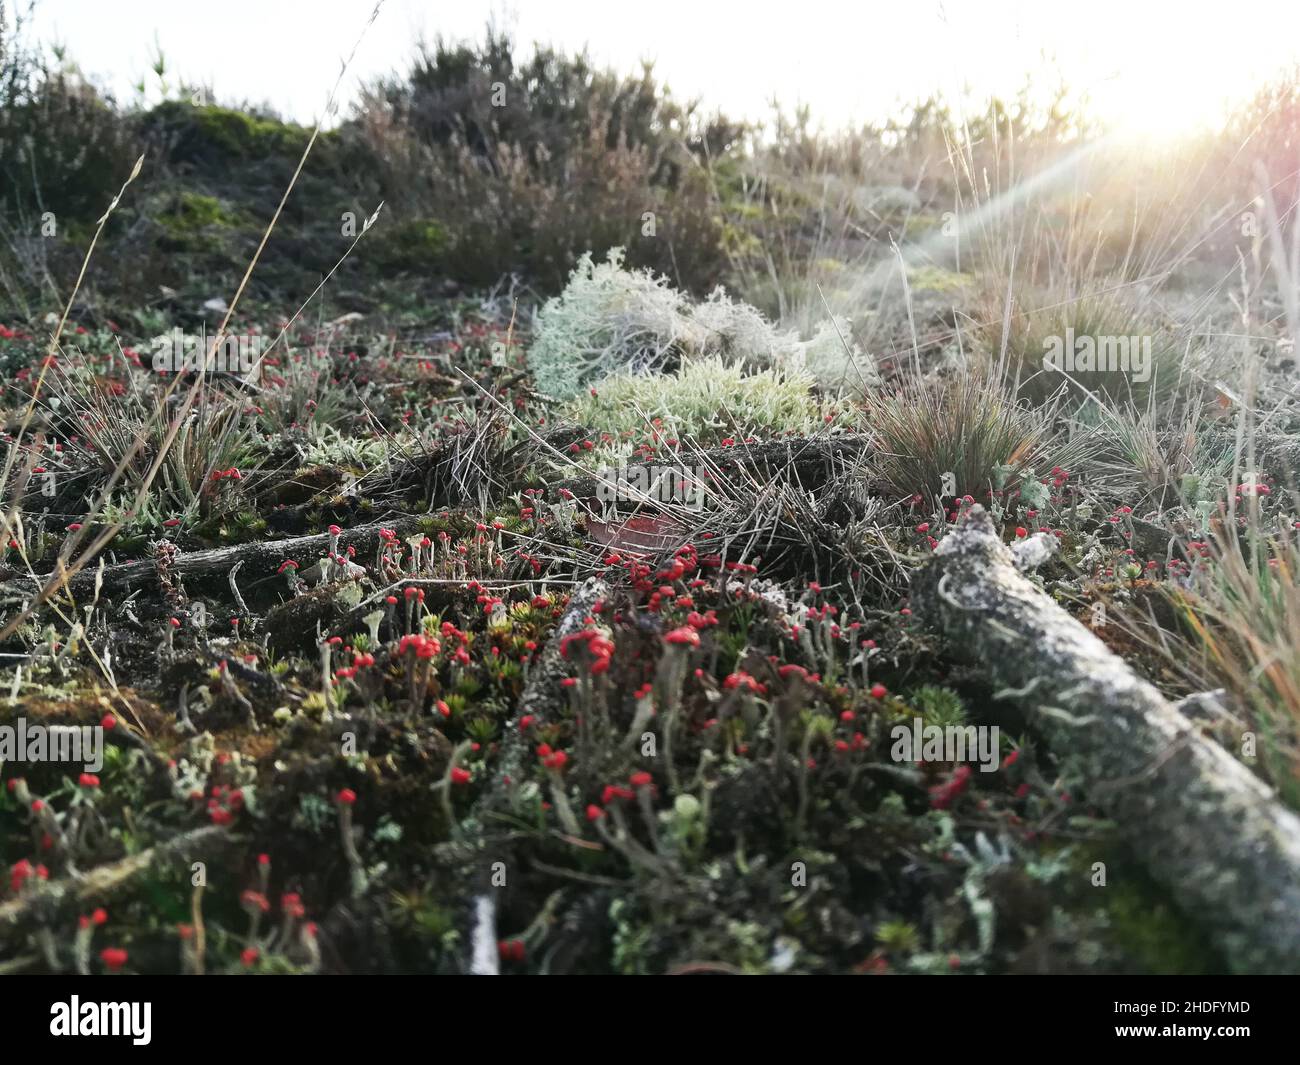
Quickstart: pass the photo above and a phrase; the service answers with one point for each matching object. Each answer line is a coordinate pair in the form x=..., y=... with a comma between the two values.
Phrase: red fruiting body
x=511, y=950
x=255, y=900
x=684, y=635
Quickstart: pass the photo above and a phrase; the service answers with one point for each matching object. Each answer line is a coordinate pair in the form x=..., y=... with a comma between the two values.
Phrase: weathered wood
x=543, y=697
x=1205, y=826
x=61, y=899
x=261, y=558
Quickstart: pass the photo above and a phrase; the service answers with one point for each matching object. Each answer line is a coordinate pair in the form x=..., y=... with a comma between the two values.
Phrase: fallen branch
x=543, y=697
x=1206, y=827
x=62, y=899
x=262, y=557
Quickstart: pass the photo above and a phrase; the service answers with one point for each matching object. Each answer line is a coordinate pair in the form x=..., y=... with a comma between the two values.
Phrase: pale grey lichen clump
x=610, y=319
x=606, y=319
x=1200, y=820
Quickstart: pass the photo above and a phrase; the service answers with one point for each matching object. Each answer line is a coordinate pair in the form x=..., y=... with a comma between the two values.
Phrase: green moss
x=246, y=135
x=1154, y=935
x=688, y=405
x=200, y=135
x=193, y=212
x=935, y=279
x=419, y=243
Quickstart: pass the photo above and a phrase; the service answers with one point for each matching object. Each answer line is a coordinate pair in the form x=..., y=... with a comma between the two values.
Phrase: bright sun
x=1152, y=107
x=1189, y=81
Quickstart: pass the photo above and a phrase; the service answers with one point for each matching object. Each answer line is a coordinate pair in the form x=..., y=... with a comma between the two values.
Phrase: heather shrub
x=64, y=152
x=1259, y=151
x=528, y=163
x=64, y=148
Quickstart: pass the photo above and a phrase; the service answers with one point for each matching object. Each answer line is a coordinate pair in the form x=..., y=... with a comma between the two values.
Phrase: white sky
x=1150, y=66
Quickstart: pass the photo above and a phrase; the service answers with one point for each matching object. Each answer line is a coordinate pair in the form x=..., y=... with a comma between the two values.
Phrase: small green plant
x=952, y=436
x=939, y=706
x=898, y=937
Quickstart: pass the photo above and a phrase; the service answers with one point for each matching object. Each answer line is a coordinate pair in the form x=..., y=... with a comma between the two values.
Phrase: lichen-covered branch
x=1205, y=826
x=261, y=556
x=61, y=899
x=542, y=698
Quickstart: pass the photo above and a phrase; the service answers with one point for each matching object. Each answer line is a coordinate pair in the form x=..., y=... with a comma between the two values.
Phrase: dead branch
x=261, y=557
x=543, y=696
x=1205, y=826
x=808, y=462
x=60, y=899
